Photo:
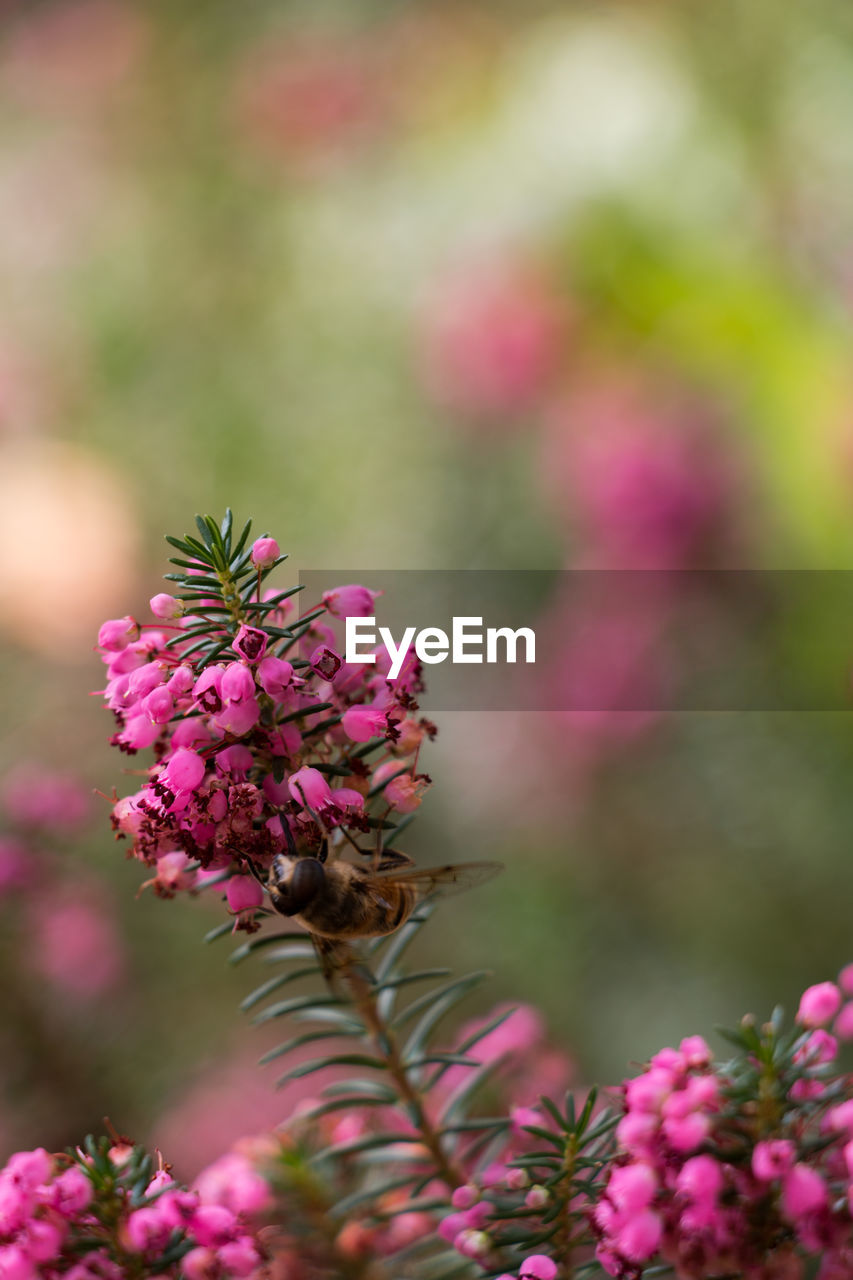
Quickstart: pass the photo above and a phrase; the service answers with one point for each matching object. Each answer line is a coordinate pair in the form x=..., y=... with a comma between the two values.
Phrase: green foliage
x=416, y=1136
x=217, y=586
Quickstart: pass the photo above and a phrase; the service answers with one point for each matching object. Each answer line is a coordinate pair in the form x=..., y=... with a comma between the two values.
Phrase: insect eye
x=305, y=881
x=279, y=900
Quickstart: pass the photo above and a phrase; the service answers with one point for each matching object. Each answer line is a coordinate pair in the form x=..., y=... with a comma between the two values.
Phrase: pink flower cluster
x=747, y=1173
x=83, y=1217
x=254, y=742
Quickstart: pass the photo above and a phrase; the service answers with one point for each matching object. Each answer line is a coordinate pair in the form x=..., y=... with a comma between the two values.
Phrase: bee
x=338, y=902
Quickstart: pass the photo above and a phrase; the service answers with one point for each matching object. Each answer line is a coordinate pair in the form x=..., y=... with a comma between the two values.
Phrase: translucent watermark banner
x=604, y=641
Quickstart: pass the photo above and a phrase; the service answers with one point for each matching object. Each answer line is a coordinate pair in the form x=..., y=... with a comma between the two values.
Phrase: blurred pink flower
x=490, y=337
x=16, y=865
x=310, y=101
x=233, y=1181
x=72, y=56
x=639, y=474
x=35, y=797
x=76, y=945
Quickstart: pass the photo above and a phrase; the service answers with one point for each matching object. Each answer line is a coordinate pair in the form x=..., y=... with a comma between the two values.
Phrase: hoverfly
x=338, y=902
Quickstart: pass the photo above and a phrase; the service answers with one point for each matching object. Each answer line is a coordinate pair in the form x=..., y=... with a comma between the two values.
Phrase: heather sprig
x=103, y=1211
x=255, y=722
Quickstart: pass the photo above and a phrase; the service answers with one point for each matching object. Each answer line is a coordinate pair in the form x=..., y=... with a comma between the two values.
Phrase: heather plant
x=422, y=1153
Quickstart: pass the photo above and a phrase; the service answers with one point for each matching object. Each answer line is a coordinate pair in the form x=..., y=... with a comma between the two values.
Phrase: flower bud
x=695, y=1051
x=465, y=1196
x=139, y=732
x=184, y=770
x=537, y=1267
x=15, y=1264
x=361, y=723
x=243, y=893
x=844, y=1022
x=275, y=676
x=181, y=680
x=265, y=552
x=199, y=1264
x=701, y=1178
x=237, y=682
x=473, y=1244
x=117, y=633
x=158, y=705
x=141, y=681
x=192, y=732
x=632, y=1187
x=239, y=1258
x=637, y=1240
x=309, y=787
x=350, y=602
x=166, y=607
x=71, y=1192
x=803, y=1192
x=819, y=1004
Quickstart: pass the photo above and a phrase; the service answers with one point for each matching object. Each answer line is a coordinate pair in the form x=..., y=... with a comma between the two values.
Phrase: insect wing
x=452, y=878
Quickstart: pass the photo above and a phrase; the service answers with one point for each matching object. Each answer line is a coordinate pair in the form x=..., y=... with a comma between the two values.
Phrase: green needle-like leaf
x=370, y=1143
x=356, y=1084
x=263, y=940
x=372, y=1194
x=313, y=1065
x=280, y=980
x=284, y=1007
x=296, y=1043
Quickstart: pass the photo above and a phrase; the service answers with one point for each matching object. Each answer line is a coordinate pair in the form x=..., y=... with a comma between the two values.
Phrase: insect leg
x=380, y=832
x=253, y=868
x=324, y=848
x=334, y=958
x=288, y=837
x=395, y=859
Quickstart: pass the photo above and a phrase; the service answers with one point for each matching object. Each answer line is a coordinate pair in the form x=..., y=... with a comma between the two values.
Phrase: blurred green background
x=435, y=285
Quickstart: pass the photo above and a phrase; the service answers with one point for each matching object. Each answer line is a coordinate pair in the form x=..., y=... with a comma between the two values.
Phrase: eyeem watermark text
x=467, y=642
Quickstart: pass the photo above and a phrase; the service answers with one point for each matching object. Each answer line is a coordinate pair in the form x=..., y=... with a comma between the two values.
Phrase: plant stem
x=565, y=1234
x=365, y=1001
x=230, y=595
